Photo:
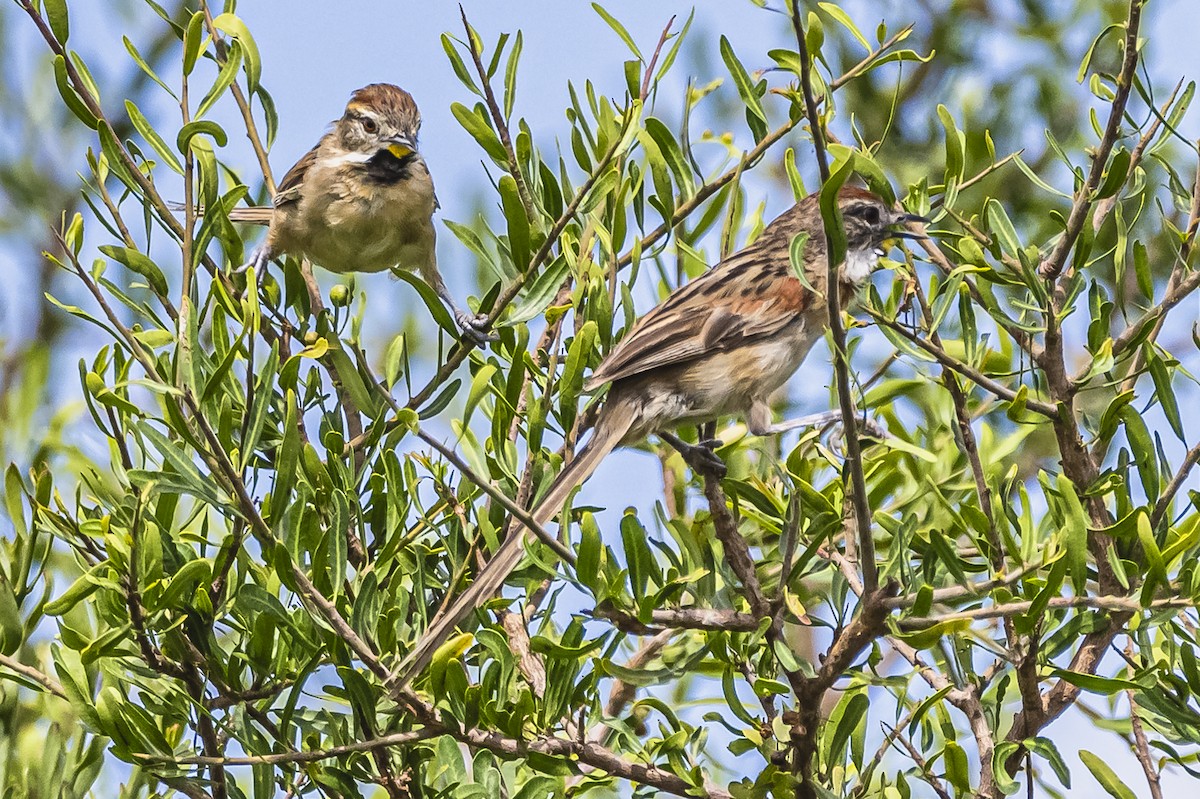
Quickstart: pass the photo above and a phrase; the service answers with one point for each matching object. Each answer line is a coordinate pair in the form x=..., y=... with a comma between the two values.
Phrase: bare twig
x=514, y=165
x=1053, y=265
x=853, y=467
x=971, y=373
x=1164, y=501
x=30, y=673
x=1118, y=604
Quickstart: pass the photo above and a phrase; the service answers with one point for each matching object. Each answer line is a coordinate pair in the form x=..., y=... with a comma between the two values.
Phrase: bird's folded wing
x=288, y=190
x=720, y=310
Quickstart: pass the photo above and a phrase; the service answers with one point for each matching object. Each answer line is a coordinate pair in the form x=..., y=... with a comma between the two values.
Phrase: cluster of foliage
x=274, y=525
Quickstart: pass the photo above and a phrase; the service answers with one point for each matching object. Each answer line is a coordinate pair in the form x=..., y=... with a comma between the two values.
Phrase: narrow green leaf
x=193, y=37
x=479, y=388
x=475, y=123
x=225, y=79
x=233, y=26
x=1002, y=226
x=1104, y=775
x=510, y=76
x=518, y=222
x=844, y=19
x=1165, y=393
x=131, y=48
x=620, y=30
x=539, y=295
x=143, y=126
x=72, y=99
x=742, y=80
x=955, y=162
x=139, y=263
x=1075, y=534
x=1118, y=171
x=201, y=126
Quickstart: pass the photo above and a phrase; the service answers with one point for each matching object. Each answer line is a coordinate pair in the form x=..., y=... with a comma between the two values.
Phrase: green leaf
x=457, y=64
x=955, y=162
x=1075, y=534
x=518, y=222
x=578, y=356
x=225, y=79
x=1157, y=569
x=1002, y=226
x=539, y=295
x=140, y=264
x=510, y=76
x=436, y=309
x=131, y=48
x=73, y=101
x=844, y=19
x=143, y=126
x=193, y=37
x=620, y=30
x=831, y=213
x=479, y=387
x=475, y=123
x=56, y=13
x=742, y=80
x=233, y=26
x=1118, y=171
x=851, y=716
x=83, y=587
x=1165, y=393
x=352, y=381
x=202, y=126
x=1104, y=775
x=1107, y=686
x=1141, y=269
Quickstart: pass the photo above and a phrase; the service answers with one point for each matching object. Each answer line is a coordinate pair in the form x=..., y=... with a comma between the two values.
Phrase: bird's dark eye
x=370, y=125
x=869, y=214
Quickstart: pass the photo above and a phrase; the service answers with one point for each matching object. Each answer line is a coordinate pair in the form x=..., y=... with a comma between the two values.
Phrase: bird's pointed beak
x=400, y=146
x=901, y=232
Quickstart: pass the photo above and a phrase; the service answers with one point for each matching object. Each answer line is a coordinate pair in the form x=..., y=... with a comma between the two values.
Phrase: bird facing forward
x=721, y=344
x=362, y=200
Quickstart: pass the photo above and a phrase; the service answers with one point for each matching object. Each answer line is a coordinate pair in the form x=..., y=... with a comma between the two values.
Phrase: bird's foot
x=702, y=456
x=475, y=327
x=866, y=428
x=259, y=259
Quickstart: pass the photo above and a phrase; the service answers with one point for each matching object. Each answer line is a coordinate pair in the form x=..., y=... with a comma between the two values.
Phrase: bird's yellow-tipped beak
x=401, y=148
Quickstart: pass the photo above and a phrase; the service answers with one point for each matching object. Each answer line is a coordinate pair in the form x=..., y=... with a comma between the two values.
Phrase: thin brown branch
x=1053, y=265
x=496, y=494
x=489, y=96
x=852, y=468
x=30, y=673
x=971, y=373
x=1116, y=604
x=1141, y=746
x=1164, y=501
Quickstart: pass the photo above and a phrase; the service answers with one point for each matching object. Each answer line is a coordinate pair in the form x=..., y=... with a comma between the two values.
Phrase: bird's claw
x=258, y=259
x=866, y=428
x=703, y=457
x=475, y=327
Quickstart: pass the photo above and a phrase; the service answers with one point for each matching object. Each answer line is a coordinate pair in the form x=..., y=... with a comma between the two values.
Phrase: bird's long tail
x=615, y=422
x=250, y=215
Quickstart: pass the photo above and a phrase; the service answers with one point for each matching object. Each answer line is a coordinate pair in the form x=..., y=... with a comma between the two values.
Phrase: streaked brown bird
x=362, y=200
x=722, y=344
